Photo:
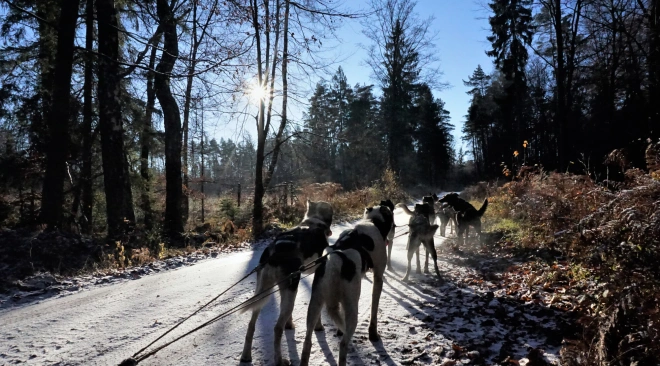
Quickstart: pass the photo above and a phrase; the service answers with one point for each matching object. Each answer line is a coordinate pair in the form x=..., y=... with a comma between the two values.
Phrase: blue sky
x=461, y=27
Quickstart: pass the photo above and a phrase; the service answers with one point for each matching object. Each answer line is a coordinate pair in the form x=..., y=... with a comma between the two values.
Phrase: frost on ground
x=425, y=321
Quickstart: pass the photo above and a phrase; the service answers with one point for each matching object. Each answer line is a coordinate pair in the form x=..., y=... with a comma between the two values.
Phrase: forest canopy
x=110, y=106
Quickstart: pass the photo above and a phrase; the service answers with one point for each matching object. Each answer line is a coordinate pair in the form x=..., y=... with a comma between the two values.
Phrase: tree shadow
x=495, y=327
x=470, y=256
x=384, y=356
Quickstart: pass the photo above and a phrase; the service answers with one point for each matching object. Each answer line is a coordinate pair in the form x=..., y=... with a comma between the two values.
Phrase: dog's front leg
x=431, y=248
x=460, y=236
x=289, y=324
x=375, y=299
x=477, y=229
x=419, y=266
x=410, y=255
x=389, y=254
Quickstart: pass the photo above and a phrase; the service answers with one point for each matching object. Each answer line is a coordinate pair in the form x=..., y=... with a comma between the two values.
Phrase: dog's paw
x=283, y=362
x=339, y=333
x=374, y=337
x=289, y=325
x=246, y=359
x=319, y=327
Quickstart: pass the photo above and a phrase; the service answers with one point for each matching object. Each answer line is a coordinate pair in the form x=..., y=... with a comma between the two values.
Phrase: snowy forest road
x=420, y=322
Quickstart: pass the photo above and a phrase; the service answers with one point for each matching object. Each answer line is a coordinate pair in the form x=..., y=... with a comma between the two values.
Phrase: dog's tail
x=259, y=292
x=483, y=208
x=404, y=207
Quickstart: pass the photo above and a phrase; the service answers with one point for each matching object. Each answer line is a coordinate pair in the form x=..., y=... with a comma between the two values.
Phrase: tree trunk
x=86, y=170
x=285, y=59
x=186, y=112
x=58, y=119
x=561, y=91
x=47, y=10
x=569, y=73
x=201, y=153
x=172, y=121
x=257, y=211
x=146, y=138
x=116, y=179
x=271, y=90
x=654, y=67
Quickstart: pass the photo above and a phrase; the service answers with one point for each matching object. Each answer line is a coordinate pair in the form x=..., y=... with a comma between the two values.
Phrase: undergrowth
x=347, y=205
x=225, y=226
x=610, y=241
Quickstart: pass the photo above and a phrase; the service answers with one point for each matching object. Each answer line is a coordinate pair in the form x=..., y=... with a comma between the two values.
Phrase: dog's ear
x=369, y=209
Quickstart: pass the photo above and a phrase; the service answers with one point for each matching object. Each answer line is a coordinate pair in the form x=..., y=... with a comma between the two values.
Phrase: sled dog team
x=339, y=268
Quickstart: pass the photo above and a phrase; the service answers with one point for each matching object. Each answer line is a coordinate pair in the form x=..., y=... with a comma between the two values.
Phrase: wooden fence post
x=291, y=192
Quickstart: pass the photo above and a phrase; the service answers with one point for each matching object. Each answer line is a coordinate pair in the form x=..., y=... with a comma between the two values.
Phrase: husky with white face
x=290, y=250
x=337, y=281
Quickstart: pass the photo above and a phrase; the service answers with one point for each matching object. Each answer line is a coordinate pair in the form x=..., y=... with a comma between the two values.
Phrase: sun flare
x=257, y=92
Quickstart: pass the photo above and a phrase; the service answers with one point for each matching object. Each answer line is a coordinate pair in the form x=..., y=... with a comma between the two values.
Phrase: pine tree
x=433, y=137
x=399, y=87
x=478, y=81
x=364, y=139
x=512, y=30
x=318, y=127
x=118, y=194
x=172, y=121
x=477, y=125
x=58, y=118
x=340, y=96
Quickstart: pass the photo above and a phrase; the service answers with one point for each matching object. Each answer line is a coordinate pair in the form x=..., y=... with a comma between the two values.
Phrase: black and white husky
x=337, y=281
x=390, y=236
x=420, y=232
x=290, y=250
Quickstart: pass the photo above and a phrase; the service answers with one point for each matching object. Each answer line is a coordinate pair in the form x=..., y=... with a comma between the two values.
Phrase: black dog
x=430, y=211
x=466, y=214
